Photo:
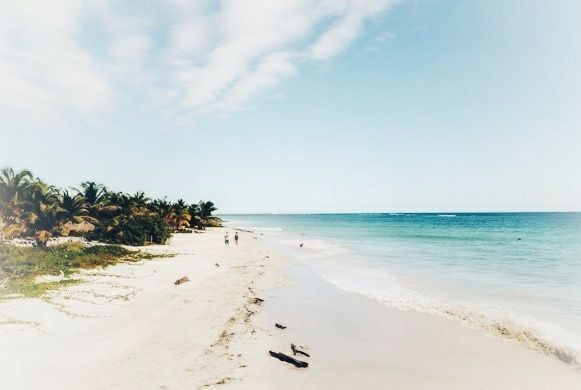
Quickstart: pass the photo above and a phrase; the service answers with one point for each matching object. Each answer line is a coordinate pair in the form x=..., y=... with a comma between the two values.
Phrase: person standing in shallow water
x=226, y=239
x=236, y=238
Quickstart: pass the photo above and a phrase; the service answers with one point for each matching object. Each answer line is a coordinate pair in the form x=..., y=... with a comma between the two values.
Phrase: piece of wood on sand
x=289, y=359
x=296, y=351
x=280, y=326
x=181, y=280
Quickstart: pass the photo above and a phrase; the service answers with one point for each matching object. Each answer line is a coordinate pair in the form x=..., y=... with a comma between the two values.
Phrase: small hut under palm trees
x=30, y=208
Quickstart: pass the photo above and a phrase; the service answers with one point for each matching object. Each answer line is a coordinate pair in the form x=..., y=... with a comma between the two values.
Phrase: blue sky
x=300, y=105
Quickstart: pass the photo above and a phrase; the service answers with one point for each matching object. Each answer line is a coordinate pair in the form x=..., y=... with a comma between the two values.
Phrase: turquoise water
x=516, y=274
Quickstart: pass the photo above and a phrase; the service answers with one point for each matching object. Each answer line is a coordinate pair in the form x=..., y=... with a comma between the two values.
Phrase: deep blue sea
x=515, y=274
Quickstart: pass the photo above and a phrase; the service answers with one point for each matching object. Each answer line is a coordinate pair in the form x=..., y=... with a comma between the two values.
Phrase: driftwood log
x=296, y=350
x=181, y=280
x=279, y=326
x=289, y=359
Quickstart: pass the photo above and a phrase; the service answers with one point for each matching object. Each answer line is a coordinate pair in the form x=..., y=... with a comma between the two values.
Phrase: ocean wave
x=541, y=336
x=254, y=229
x=509, y=329
x=447, y=215
x=314, y=249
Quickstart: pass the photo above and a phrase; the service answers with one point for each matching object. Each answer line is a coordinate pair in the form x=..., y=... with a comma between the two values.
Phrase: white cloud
x=192, y=57
x=337, y=37
x=379, y=40
x=42, y=66
x=127, y=37
x=384, y=36
x=268, y=73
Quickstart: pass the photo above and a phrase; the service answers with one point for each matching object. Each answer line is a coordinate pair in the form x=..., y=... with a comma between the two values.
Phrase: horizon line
x=397, y=212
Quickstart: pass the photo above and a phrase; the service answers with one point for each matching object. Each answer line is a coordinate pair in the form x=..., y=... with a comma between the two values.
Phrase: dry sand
x=130, y=327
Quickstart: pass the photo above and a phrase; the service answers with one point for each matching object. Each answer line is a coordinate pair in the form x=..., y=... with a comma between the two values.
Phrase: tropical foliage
x=20, y=266
x=31, y=208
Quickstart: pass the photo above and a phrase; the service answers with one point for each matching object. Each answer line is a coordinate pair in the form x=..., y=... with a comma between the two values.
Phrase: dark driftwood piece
x=289, y=359
x=296, y=350
x=182, y=280
x=279, y=326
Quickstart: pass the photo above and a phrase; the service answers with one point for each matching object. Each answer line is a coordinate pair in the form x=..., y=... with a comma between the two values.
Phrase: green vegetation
x=31, y=208
x=19, y=266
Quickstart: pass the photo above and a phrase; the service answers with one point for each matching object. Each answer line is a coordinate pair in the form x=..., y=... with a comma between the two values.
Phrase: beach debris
x=181, y=280
x=257, y=301
x=289, y=359
x=222, y=381
x=217, y=265
x=301, y=244
x=280, y=326
x=296, y=350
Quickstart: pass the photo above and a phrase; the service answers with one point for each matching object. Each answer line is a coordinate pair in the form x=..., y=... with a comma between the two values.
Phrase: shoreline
x=348, y=268
x=130, y=327
x=356, y=341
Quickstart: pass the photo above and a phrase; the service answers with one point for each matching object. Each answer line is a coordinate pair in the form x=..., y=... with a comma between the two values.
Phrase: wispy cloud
x=379, y=40
x=194, y=57
x=43, y=68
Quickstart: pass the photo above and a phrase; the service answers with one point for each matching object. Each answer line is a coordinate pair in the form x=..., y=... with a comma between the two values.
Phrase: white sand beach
x=130, y=327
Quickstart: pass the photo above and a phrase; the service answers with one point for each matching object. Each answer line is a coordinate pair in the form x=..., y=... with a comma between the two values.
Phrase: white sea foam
x=384, y=286
x=314, y=249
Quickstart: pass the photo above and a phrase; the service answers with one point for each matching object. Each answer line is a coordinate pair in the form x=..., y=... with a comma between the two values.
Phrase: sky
x=299, y=105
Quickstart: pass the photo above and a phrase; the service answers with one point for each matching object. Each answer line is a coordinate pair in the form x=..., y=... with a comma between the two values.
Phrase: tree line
x=32, y=208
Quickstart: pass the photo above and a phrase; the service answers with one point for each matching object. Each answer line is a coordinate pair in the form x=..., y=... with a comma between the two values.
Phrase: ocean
x=517, y=275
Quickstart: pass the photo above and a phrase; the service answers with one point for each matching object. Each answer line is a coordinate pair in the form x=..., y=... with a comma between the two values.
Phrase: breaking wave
x=381, y=285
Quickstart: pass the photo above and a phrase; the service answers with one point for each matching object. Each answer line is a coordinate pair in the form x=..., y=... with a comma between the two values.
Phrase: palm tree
x=38, y=191
x=181, y=217
x=42, y=213
x=162, y=208
x=45, y=221
x=75, y=207
x=206, y=209
x=114, y=204
x=196, y=221
x=138, y=204
x=13, y=187
x=139, y=200
x=94, y=194
x=31, y=207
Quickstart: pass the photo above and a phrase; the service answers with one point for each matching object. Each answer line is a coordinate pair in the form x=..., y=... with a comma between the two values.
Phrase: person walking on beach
x=226, y=239
x=236, y=238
